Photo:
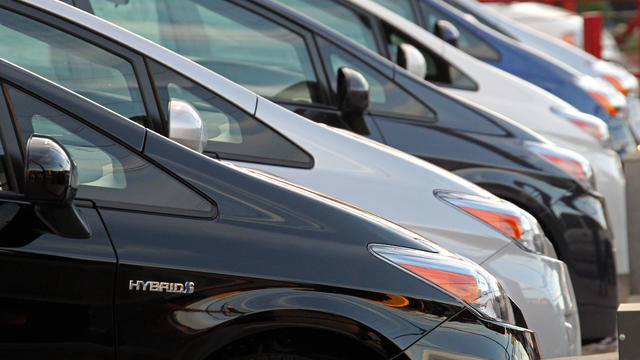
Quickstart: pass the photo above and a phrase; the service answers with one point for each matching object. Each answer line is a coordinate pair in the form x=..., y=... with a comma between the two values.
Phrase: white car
x=351, y=168
x=494, y=17
x=509, y=95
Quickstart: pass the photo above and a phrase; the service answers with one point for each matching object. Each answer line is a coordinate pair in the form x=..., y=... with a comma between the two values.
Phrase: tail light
x=603, y=93
x=587, y=123
x=503, y=216
x=568, y=38
x=616, y=83
x=454, y=275
x=603, y=100
x=569, y=161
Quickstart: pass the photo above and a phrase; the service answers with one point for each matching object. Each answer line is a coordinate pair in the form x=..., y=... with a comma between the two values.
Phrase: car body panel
x=438, y=344
x=49, y=274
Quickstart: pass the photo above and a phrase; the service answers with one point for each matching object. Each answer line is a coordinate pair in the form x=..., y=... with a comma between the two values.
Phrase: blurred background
x=614, y=24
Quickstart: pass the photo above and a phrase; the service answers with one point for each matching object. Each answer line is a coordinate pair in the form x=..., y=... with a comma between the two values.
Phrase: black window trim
x=10, y=144
x=384, y=26
x=134, y=58
x=112, y=204
x=392, y=79
x=246, y=158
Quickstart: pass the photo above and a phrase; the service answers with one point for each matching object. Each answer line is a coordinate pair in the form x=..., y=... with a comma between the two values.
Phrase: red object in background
x=571, y=5
x=593, y=33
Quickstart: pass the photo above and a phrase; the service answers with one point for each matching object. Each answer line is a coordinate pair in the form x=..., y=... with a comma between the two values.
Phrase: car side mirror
x=51, y=183
x=353, y=98
x=447, y=32
x=411, y=59
x=186, y=126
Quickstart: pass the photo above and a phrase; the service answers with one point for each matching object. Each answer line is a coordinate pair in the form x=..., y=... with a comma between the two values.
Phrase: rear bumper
x=542, y=289
x=466, y=337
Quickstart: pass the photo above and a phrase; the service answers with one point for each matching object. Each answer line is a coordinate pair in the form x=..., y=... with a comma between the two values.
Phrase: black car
x=119, y=243
x=302, y=74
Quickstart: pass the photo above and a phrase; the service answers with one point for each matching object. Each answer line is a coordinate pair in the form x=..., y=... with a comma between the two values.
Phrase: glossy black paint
x=275, y=260
x=487, y=149
x=51, y=183
x=353, y=98
x=50, y=175
x=58, y=297
x=513, y=344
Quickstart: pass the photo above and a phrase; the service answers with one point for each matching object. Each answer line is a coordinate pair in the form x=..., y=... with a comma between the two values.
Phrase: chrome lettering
x=166, y=287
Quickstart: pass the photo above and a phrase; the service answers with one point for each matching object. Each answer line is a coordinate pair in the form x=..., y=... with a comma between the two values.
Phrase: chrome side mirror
x=353, y=98
x=51, y=183
x=186, y=126
x=411, y=59
x=447, y=32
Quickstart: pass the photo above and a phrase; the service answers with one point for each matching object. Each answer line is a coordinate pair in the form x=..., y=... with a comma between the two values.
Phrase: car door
x=150, y=214
x=57, y=296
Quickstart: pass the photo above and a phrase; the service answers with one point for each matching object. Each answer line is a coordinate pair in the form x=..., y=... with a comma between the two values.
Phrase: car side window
x=438, y=70
x=253, y=51
x=233, y=134
x=338, y=17
x=385, y=96
x=468, y=41
x=400, y=7
x=107, y=171
x=71, y=62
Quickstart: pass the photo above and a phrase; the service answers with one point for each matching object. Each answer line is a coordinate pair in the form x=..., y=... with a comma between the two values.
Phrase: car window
x=468, y=41
x=338, y=17
x=400, y=7
x=228, y=39
x=438, y=69
x=73, y=63
x=233, y=134
x=384, y=95
x=107, y=171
